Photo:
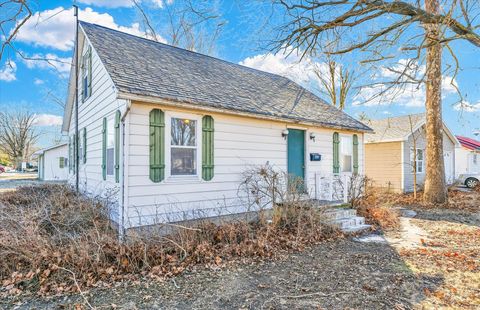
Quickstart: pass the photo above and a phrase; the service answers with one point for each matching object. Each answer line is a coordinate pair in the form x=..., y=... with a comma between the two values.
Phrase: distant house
x=53, y=163
x=467, y=156
x=166, y=133
x=389, y=152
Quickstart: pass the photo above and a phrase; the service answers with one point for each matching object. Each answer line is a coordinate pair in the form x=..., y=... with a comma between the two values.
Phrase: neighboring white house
x=166, y=133
x=53, y=163
x=389, y=152
x=467, y=156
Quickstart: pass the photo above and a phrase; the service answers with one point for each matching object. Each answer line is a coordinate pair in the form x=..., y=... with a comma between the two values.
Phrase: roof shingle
x=147, y=68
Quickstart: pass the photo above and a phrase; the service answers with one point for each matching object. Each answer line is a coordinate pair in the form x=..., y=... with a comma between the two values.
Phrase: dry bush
x=53, y=240
x=377, y=208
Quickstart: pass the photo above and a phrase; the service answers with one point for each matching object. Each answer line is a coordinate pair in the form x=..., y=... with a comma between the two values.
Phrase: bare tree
x=12, y=12
x=415, y=156
x=380, y=27
x=17, y=135
x=336, y=83
x=193, y=25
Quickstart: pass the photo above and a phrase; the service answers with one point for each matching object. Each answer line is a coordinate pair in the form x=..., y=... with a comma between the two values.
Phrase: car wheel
x=471, y=182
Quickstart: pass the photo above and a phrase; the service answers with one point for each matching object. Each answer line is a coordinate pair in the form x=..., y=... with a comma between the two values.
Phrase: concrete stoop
x=346, y=219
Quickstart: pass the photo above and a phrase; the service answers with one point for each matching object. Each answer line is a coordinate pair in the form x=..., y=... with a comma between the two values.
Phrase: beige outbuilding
x=390, y=152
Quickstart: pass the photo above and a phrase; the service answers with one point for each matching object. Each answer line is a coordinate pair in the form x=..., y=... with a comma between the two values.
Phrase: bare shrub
x=54, y=241
x=377, y=206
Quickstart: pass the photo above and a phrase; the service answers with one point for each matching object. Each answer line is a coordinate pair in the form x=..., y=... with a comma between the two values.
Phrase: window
x=86, y=74
x=419, y=160
x=183, y=150
x=110, y=146
x=475, y=159
x=346, y=154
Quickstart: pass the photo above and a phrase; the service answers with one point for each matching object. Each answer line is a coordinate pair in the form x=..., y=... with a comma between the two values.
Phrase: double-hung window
x=86, y=74
x=418, y=162
x=183, y=146
x=346, y=154
x=110, y=160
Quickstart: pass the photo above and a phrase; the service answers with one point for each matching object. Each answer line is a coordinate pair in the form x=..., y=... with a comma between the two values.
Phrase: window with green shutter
x=207, y=148
x=355, y=154
x=104, y=148
x=157, y=145
x=86, y=67
x=84, y=145
x=61, y=162
x=117, y=146
x=336, y=152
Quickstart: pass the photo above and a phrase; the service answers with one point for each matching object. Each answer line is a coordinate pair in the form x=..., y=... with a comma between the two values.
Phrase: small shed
x=390, y=152
x=53, y=163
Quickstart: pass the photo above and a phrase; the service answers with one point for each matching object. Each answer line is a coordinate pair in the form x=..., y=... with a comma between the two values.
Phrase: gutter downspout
x=121, y=230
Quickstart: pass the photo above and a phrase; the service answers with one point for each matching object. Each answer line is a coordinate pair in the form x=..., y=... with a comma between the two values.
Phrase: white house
x=53, y=163
x=166, y=133
x=390, y=151
x=467, y=156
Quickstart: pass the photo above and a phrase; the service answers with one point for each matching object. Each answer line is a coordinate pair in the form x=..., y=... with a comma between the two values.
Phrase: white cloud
x=109, y=3
x=7, y=74
x=161, y=3
x=56, y=27
x=47, y=120
x=38, y=81
x=467, y=106
x=290, y=66
x=406, y=93
x=48, y=61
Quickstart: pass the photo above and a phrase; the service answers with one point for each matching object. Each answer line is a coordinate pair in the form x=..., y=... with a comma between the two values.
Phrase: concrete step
x=340, y=213
x=356, y=229
x=344, y=223
x=346, y=219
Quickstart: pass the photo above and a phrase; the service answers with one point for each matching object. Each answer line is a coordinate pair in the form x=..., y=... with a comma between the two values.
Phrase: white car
x=470, y=180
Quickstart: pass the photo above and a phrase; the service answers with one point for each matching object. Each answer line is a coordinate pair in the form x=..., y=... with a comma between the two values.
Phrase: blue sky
x=41, y=88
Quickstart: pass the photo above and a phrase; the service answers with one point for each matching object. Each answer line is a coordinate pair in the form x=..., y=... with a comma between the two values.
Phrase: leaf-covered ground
x=442, y=271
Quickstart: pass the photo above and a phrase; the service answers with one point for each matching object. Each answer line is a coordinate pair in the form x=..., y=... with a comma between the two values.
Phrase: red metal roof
x=469, y=143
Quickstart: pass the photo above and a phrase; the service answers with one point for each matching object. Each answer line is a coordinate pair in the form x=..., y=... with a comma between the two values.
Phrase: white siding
x=50, y=164
x=239, y=142
x=448, y=146
x=464, y=161
x=102, y=103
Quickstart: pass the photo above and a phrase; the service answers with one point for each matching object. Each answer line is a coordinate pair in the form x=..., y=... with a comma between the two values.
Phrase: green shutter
x=336, y=152
x=69, y=154
x=84, y=145
x=117, y=146
x=61, y=163
x=157, y=145
x=104, y=148
x=207, y=147
x=74, y=165
x=89, y=60
x=355, y=154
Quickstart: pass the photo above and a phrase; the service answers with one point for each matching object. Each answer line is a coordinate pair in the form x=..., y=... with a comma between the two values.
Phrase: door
x=296, y=153
x=448, y=161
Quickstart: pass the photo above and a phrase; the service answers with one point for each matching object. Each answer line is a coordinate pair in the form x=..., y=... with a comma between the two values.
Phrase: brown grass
x=377, y=207
x=52, y=241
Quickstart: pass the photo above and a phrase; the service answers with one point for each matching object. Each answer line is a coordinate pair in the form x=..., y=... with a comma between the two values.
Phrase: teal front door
x=296, y=153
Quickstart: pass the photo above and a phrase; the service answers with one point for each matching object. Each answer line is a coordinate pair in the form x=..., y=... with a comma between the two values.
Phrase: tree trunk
x=435, y=189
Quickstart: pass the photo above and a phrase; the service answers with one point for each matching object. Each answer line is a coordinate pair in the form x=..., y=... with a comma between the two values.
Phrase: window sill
x=182, y=178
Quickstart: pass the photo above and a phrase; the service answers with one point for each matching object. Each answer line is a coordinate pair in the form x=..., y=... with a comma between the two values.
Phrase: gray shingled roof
x=393, y=128
x=147, y=68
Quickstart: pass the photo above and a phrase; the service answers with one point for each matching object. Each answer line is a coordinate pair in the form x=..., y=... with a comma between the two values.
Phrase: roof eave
x=191, y=105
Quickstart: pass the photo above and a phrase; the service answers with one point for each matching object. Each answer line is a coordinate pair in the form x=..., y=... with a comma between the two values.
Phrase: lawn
x=431, y=262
